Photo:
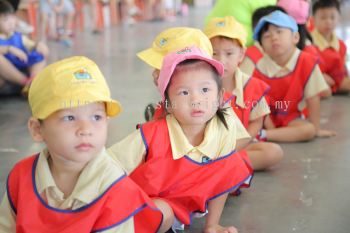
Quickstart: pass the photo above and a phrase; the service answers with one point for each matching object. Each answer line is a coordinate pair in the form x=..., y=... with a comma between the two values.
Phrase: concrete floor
x=307, y=193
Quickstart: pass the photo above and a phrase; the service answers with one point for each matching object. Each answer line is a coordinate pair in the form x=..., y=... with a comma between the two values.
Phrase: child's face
x=194, y=97
x=7, y=24
x=278, y=42
x=326, y=20
x=73, y=136
x=229, y=52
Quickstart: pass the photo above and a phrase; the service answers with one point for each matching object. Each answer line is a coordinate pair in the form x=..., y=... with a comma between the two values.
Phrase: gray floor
x=307, y=193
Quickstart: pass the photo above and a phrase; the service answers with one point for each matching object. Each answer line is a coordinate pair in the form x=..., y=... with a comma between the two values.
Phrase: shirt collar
x=240, y=81
x=88, y=185
x=322, y=43
x=273, y=69
x=213, y=144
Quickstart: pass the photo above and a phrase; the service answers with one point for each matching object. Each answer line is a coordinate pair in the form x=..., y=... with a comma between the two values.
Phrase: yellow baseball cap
x=226, y=26
x=174, y=39
x=69, y=83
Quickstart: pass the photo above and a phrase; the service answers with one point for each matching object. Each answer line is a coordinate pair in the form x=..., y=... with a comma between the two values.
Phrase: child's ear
x=296, y=38
x=34, y=127
x=242, y=53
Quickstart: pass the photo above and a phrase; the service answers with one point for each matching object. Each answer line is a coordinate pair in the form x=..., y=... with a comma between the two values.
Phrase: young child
x=245, y=94
x=331, y=49
x=299, y=10
x=53, y=11
x=170, y=40
x=254, y=52
x=73, y=185
x=20, y=58
x=187, y=161
x=294, y=78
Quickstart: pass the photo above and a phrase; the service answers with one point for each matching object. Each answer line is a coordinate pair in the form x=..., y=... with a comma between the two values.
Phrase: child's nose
x=84, y=129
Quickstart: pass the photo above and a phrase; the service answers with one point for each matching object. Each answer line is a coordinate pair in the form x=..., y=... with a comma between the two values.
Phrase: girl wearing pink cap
x=187, y=161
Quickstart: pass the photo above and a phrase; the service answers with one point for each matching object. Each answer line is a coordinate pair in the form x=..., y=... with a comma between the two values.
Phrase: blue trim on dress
x=68, y=211
x=129, y=216
x=8, y=195
x=211, y=160
x=144, y=141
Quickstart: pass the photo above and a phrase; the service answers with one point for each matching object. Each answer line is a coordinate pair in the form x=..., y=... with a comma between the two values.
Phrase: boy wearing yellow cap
x=294, y=78
x=245, y=94
x=73, y=185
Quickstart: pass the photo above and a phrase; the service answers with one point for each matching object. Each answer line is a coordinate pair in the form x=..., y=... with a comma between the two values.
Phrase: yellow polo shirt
x=247, y=65
x=261, y=108
x=217, y=142
x=322, y=43
x=314, y=86
x=95, y=178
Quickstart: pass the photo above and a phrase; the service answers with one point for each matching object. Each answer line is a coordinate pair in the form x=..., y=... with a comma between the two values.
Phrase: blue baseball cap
x=277, y=18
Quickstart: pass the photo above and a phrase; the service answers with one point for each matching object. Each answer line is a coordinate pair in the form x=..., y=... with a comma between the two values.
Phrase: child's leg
x=296, y=131
x=10, y=73
x=345, y=85
x=215, y=208
x=168, y=214
x=264, y=154
x=43, y=26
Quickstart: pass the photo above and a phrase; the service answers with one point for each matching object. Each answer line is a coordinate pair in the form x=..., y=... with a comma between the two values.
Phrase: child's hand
x=322, y=133
x=328, y=80
x=220, y=229
x=18, y=53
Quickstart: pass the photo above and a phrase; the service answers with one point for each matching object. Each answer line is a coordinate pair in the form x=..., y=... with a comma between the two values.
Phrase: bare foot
x=220, y=229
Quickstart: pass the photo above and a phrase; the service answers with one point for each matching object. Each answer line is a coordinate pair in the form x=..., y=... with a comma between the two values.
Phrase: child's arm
x=129, y=152
x=15, y=51
x=7, y=216
x=30, y=45
x=255, y=126
x=313, y=105
x=215, y=207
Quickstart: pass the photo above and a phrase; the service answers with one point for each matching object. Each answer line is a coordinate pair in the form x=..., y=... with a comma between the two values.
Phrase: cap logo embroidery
x=163, y=41
x=82, y=74
x=220, y=24
x=185, y=50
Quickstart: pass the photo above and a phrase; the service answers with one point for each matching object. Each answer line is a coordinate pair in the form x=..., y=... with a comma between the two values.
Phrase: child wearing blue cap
x=295, y=80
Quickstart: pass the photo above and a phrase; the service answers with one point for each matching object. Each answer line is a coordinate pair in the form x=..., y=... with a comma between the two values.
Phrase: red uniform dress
x=186, y=185
x=254, y=54
x=254, y=90
x=122, y=200
x=334, y=63
x=288, y=89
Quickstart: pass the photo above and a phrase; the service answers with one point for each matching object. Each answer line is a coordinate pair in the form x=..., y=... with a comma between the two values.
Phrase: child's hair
x=325, y=4
x=263, y=11
x=304, y=35
x=6, y=8
x=199, y=64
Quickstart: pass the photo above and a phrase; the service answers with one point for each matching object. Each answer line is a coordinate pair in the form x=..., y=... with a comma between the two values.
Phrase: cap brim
x=113, y=108
x=167, y=72
x=151, y=57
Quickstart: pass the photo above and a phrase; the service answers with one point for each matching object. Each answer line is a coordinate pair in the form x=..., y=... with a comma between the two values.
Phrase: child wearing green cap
x=72, y=185
x=294, y=78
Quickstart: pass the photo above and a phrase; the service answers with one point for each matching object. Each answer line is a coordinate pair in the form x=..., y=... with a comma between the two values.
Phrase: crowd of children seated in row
x=215, y=124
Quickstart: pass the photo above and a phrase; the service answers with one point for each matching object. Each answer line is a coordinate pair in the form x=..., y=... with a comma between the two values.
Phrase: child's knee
x=276, y=152
x=308, y=131
x=168, y=214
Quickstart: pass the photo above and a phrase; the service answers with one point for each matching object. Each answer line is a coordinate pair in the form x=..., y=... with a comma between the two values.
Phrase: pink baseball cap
x=298, y=9
x=173, y=59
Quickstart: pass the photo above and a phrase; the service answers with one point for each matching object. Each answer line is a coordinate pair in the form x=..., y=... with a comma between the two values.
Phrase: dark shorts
x=8, y=89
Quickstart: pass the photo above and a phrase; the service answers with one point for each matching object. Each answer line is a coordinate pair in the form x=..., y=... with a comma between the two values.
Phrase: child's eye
x=205, y=89
x=69, y=118
x=97, y=117
x=183, y=93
